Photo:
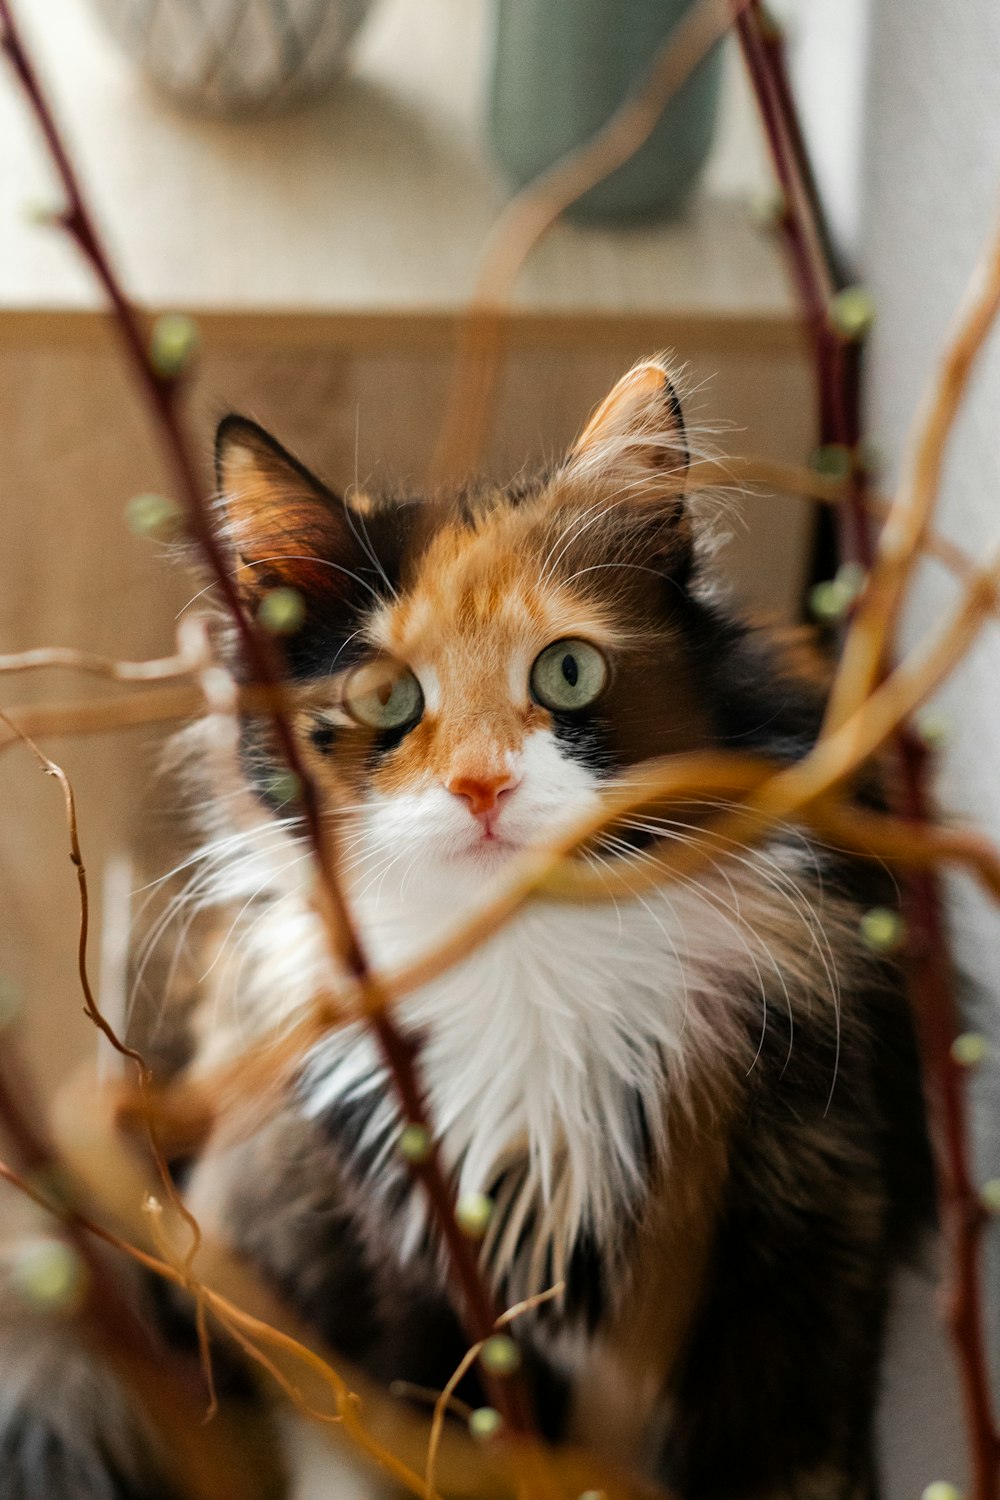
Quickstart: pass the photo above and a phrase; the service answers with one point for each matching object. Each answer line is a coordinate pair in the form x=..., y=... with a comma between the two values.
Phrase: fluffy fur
x=698, y=1107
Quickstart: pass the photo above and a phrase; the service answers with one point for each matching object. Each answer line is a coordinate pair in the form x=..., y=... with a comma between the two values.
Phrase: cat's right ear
x=637, y=437
x=282, y=525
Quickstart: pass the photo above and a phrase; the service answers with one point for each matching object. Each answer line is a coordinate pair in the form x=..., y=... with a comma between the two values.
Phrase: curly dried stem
x=263, y=659
x=157, y=670
x=251, y=1328
x=533, y=211
x=863, y=664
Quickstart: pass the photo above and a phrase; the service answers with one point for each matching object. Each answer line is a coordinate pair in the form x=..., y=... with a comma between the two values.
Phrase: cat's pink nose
x=482, y=793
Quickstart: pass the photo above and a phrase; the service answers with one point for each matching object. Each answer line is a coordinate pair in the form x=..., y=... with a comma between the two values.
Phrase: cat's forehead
x=487, y=587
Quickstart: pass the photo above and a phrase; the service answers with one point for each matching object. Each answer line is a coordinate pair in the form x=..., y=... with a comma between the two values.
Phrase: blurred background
x=314, y=181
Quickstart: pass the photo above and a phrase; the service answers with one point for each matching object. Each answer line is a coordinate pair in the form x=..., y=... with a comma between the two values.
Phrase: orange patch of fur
x=470, y=628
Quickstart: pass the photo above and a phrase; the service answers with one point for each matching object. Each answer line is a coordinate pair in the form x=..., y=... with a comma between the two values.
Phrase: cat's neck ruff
x=549, y=1055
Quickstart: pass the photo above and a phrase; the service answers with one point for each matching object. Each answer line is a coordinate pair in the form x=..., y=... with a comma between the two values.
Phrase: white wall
x=901, y=100
x=931, y=197
x=829, y=41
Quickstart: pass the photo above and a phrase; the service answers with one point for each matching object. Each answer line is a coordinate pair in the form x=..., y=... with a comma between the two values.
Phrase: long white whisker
x=319, y=562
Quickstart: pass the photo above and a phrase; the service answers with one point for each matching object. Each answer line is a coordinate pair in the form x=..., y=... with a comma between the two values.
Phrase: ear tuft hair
x=633, y=452
x=637, y=430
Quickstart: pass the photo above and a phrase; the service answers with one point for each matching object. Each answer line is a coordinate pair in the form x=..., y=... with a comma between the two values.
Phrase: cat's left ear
x=637, y=431
x=281, y=524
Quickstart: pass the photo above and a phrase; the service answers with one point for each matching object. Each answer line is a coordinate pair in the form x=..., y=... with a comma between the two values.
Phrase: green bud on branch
x=414, y=1144
x=485, y=1423
x=852, y=313
x=473, y=1213
x=282, y=611
x=883, y=930
x=154, y=516
x=500, y=1355
x=49, y=1275
x=173, y=344
x=969, y=1049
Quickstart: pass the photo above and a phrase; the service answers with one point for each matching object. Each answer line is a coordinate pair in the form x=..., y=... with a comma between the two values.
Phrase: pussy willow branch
x=263, y=660
x=156, y=670
x=842, y=828
x=447, y=1399
x=963, y=1215
x=801, y=792
x=162, y=395
x=155, y=706
x=533, y=211
x=772, y=43
x=864, y=662
x=813, y=282
x=805, y=792
x=840, y=424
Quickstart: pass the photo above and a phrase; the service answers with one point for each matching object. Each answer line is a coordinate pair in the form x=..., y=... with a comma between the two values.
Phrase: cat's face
x=485, y=661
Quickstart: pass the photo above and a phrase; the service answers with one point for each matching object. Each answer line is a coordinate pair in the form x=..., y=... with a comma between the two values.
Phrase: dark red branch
x=963, y=1217
x=808, y=243
x=803, y=262
x=815, y=272
x=772, y=47
x=508, y=1397
x=162, y=394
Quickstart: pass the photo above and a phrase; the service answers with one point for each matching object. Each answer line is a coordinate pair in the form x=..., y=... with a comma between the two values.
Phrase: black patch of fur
x=35, y=1464
x=755, y=706
x=395, y=1321
x=323, y=644
x=677, y=417
x=324, y=736
x=829, y=1182
x=585, y=736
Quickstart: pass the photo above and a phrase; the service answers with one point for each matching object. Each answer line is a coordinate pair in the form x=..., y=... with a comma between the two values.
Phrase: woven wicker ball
x=236, y=56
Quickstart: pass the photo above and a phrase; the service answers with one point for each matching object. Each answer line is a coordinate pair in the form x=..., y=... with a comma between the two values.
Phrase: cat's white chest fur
x=549, y=1054
x=551, y=1049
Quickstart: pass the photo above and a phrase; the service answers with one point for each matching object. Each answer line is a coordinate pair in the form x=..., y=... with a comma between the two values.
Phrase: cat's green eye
x=382, y=694
x=568, y=675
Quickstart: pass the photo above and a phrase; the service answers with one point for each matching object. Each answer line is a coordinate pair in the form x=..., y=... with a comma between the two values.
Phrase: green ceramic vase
x=560, y=70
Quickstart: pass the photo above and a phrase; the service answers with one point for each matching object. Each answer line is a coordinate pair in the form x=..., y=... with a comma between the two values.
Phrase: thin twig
x=864, y=665
x=94, y=1013
x=234, y=1318
x=156, y=670
x=264, y=662
x=532, y=212
x=446, y=1399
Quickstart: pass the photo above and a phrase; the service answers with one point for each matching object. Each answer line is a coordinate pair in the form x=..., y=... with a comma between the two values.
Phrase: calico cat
x=699, y=1107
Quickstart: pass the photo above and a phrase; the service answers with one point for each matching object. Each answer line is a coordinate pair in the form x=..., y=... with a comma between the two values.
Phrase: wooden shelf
x=369, y=206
